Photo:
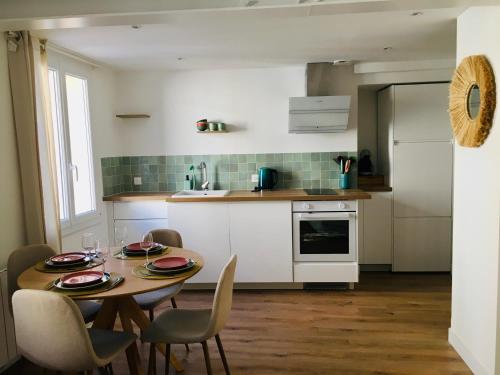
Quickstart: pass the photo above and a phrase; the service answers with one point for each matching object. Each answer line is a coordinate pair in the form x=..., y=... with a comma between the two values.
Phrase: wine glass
x=121, y=237
x=147, y=244
x=88, y=243
x=105, y=252
x=97, y=248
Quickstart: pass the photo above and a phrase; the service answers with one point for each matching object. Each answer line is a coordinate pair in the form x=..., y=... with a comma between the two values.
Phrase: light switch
x=137, y=181
x=255, y=178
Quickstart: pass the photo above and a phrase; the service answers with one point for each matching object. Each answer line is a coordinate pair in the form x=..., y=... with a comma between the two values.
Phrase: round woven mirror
x=472, y=101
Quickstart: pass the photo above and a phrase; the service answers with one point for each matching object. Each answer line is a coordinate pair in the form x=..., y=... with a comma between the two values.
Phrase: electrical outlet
x=255, y=178
x=137, y=181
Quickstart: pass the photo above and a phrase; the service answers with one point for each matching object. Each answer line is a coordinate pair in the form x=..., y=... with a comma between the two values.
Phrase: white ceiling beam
x=402, y=66
x=52, y=14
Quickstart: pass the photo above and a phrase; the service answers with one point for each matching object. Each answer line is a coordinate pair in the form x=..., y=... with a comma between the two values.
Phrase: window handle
x=74, y=169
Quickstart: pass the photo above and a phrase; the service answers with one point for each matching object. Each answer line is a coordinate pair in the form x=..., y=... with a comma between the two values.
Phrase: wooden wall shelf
x=211, y=131
x=134, y=115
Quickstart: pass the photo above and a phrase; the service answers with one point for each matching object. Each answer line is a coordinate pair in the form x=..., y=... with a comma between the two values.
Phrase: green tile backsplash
x=229, y=171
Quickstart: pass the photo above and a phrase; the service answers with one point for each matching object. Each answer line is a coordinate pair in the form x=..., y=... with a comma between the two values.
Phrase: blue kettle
x=268, y=178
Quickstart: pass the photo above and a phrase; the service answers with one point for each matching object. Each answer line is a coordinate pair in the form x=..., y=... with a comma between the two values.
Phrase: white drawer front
x=136, y=228
x=140, y=210
x=325, y=272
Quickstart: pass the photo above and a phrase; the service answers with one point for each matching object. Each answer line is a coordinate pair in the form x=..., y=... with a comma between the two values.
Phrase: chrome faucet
x=204, y=176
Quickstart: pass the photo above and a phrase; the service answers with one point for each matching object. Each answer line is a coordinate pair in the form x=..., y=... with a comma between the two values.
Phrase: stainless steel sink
x=200, y=193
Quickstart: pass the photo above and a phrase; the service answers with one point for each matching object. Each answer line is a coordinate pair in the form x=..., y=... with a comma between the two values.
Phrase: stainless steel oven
x=324, y=231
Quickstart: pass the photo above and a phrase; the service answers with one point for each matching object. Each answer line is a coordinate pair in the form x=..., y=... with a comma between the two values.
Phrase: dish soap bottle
x=187, y=183
x=193, y=179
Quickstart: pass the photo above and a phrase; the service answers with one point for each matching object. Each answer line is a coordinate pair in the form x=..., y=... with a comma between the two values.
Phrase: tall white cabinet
x=416, y=153
x=375, y=229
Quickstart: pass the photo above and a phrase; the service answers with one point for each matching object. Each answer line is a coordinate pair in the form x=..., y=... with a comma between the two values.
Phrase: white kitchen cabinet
x=140, y=210
x=139, y=217
x=416, y=154
x=423, y=179
x=417, y=110
x=377, y=229
x=261, y=237
x=422, y=244
x=136, y=228
x=204, y=228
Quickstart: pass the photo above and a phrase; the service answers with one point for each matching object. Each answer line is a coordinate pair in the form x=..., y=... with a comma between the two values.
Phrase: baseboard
x=462, y=350
x=375, y=267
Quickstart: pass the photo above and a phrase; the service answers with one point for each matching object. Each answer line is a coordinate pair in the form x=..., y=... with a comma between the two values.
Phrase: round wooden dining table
x=119, y=301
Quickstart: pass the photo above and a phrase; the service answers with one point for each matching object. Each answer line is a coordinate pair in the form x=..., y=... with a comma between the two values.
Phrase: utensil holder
x=345, y=181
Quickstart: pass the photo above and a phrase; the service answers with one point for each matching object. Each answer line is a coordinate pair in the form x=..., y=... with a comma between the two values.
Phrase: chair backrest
x=20, y=260
x=167, y=237
x=223, y=298
x=50, y=331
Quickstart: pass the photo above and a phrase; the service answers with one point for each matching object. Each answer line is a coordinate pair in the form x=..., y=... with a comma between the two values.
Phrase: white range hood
x=318, y=114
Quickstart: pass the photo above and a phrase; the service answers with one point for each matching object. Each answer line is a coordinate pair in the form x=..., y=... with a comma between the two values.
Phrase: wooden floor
x=390, y=324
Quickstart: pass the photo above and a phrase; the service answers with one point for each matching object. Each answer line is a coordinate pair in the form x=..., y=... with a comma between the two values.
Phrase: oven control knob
x=307, y=206
x=342, y=205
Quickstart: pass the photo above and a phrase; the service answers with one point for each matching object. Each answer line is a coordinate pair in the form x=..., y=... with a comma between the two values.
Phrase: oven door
x=324, y=236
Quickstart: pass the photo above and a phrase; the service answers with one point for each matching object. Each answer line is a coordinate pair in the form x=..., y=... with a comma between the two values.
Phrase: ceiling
x=240, y=39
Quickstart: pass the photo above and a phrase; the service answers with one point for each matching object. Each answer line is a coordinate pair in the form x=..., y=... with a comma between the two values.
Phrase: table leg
x=133, y=359
x=139, y=317
x=106, y=316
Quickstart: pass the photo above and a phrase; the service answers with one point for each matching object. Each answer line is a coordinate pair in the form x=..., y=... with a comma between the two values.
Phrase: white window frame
x=66, y=66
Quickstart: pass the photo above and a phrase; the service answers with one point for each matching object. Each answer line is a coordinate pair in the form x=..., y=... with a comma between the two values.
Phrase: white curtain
x=27, y=62
x=47, y=152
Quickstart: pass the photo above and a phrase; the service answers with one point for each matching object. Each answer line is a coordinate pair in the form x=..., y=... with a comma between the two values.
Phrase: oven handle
x=332, y=216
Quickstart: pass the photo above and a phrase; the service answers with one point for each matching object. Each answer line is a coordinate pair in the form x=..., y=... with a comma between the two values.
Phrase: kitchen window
x=73, y=145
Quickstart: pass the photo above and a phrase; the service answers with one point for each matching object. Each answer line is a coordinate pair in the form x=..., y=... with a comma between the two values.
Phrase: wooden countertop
x=138, y=196
x=245, y=195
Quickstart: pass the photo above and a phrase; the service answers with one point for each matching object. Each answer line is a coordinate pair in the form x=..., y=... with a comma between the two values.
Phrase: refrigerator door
x=421, y=112
x=422, y=244
x=422, y=176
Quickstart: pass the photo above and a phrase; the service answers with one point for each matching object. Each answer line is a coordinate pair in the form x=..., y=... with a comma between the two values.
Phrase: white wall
x=11, y=206
x=474, y=331
x=367, y=121
x=253, y=101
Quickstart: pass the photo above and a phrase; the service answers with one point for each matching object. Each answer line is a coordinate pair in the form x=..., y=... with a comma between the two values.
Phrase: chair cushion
x=108, y=343
x=150, y=300
x=179, y=326
x=89, y=310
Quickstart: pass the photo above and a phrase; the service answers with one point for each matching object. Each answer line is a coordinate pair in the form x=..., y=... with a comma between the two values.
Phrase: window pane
x=58, y=133
x=80, y=144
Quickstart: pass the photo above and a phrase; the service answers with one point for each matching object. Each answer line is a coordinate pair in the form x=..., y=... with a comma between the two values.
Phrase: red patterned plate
x=68, y=258
x=171, y=263
x=77, y=279
x=137, y=246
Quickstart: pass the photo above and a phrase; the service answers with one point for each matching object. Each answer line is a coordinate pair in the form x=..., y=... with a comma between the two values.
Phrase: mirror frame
x=473, y=70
